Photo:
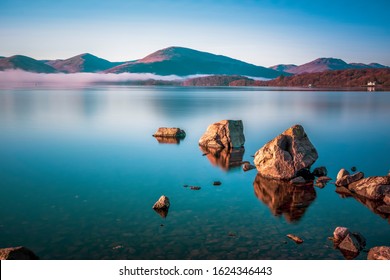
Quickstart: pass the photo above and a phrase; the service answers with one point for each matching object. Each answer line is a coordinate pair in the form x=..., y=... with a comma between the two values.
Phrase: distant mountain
x=82, y=63
x=335, y=78
x=321, y=65
x=183, y=61
x=284, y=67
x=25, y=63
x=325, y=64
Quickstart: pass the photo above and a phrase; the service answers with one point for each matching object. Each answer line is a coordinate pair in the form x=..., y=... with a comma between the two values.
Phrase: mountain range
x=175, y=61
x=324, y=64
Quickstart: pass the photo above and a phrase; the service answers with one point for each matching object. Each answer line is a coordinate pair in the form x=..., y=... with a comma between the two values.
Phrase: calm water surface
x=80, y=171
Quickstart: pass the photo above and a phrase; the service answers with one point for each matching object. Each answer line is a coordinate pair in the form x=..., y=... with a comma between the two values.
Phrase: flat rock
x=170, y=132
x=285, y=155
x=17, y=253
x=379, y=253
x=320, y=171
x=349, y=179
x=217, y=183
x=376, y=187
x=295, y=238
x=225, y=134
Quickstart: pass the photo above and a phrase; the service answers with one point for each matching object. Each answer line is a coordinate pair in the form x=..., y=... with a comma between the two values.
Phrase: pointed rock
x=162, y=203
x=284, y=156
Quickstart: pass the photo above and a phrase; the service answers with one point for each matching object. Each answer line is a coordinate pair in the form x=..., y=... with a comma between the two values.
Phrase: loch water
x=80, y=171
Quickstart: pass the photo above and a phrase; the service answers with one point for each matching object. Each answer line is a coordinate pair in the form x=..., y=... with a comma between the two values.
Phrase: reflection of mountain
x=167, y=140
x=224, y=158
x=376, y=206
x=284, y=198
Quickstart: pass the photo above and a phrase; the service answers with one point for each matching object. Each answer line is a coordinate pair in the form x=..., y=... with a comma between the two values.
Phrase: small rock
x=232, y=234
x=386, y=199
x=349, y=179
x=298, y=180
x=353, y=168
x=247, y=166
x=185, y=186
x=17, y=253
x=170, y=132
x=117, y=247
x=217, y=183
x=195, y=188
x=341, y=174
x=350, y=244
x=295, y=238
x=320, y=171
x=162, y=203
x=323, y=179
x=340, y=233
x=379, y=253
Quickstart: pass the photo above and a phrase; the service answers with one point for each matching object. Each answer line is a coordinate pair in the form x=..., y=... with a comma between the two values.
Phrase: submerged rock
x=284, y=156
x=170, y=132
x=295, y=238
x=376, y=187
x=322, y=181
x=17, y=253
x=225, y=134
x=379, y=253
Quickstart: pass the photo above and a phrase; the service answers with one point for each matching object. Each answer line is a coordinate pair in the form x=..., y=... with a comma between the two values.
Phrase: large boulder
x=170, y=132
x=379, y=253
x=225, y=134
x=376, y=187
x=284, y=156
x=17, y=253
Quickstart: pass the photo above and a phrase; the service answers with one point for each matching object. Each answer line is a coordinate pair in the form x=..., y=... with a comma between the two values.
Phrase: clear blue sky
x=260, y=32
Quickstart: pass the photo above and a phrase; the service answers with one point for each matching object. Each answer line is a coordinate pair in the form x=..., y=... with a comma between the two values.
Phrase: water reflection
x=224, y=158
x=284, y=198
x=167, y=140
x=376, y=206
x=162, y=212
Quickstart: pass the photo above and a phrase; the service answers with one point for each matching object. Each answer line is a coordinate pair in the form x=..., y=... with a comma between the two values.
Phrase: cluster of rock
x=350, y=244
x=375, y=189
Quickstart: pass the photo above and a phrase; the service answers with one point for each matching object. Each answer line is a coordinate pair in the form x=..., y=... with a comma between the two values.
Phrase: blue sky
x=260, y=32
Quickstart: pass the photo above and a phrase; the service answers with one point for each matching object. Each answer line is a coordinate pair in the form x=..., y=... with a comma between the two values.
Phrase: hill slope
x=25, y=63
x=183, y=61
x=82, y=63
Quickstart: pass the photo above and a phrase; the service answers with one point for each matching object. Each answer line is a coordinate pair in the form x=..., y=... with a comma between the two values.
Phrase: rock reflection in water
x=168, y=140
x=163, y=212
x=284, y=198
x=224, y=158
x=376, y=206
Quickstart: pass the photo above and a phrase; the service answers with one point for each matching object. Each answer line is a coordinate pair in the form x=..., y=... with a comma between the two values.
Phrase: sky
x=264, y=33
